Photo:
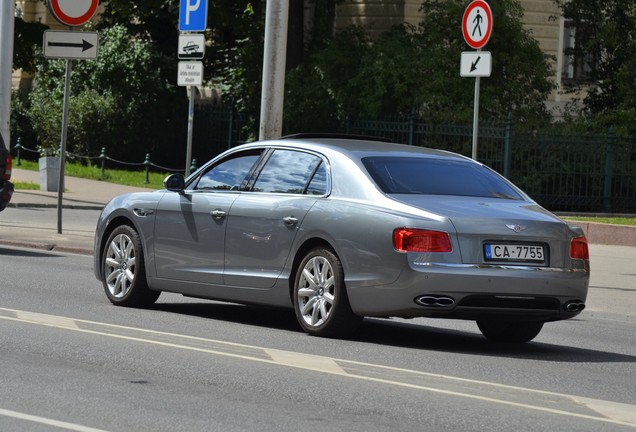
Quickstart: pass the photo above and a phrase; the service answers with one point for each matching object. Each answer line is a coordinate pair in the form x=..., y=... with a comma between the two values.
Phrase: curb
x=608, y=234
x=49, y=247
x=64, y=206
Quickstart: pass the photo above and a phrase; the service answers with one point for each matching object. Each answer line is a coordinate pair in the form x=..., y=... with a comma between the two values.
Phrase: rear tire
x=123, y=272
x=320, y=297
x=509, y=332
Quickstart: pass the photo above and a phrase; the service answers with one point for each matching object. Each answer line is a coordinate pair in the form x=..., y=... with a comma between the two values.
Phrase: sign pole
x=193, y=16
x=60, y=183
x=476, y=28
x=191, y=91
x=69, y=13
x=476, y=118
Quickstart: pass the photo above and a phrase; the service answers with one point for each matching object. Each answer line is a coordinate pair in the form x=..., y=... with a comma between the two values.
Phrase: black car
x=6, y=187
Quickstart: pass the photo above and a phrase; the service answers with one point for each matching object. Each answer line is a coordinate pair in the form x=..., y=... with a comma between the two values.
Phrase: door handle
x=218, y=214
x=290, y=220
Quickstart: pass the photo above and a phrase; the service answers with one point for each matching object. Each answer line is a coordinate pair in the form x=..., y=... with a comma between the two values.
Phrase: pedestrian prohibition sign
x=73, y=12
x=477, y=24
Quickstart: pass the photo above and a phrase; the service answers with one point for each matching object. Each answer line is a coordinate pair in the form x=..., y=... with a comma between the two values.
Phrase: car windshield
x=434, y=176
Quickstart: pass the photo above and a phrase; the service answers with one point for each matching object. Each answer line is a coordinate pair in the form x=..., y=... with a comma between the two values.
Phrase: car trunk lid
x=481, y=223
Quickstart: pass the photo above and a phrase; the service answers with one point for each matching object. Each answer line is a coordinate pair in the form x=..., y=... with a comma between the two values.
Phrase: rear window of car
x=293, y=172
x=433, y=176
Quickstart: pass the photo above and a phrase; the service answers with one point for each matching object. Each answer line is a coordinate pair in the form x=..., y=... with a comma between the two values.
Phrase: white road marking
x=48, y=422
x=520, y=397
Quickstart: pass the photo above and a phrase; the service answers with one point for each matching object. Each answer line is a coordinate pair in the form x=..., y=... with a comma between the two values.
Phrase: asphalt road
x=71, y=361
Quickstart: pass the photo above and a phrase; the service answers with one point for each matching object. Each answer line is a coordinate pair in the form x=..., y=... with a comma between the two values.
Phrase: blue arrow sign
x=193, y=15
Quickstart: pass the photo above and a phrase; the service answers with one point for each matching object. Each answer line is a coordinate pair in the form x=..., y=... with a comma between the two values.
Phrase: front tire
x=320, y=297
x=123, y=272
x=509, y=332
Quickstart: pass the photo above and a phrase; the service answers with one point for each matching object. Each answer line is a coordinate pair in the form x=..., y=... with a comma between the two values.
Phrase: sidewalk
x=93, y=195
x=80, y=194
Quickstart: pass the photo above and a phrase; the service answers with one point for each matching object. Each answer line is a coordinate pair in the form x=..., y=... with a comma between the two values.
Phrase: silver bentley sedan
x=340, y=228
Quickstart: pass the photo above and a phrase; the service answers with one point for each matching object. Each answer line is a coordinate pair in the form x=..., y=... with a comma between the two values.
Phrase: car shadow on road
x=399, y=334
x=424, y=337
x=27, y=253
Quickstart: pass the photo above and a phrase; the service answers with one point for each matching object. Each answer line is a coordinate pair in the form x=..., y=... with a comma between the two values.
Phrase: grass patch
x=26, y=186
x=607, y=220
x=123, y=177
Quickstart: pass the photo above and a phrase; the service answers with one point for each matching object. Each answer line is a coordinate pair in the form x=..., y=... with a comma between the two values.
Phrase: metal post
x=609, y=171
x=507, y=145
x=191, y=91
x=411, y=127
x=18, y=148
x=147, y=165
x=60, y=183
x=102, y=156
x=230, y=127
x=275, y=53
x=476, y=118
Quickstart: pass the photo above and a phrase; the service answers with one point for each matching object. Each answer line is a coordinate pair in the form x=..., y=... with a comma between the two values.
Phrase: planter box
x=49, y=173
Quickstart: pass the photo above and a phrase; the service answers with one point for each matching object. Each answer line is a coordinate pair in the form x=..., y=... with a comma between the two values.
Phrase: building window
x=576, y=65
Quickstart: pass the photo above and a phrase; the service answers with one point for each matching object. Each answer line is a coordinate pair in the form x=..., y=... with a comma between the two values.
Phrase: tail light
x=579, y=249
x=420, y=240
x=7, y=168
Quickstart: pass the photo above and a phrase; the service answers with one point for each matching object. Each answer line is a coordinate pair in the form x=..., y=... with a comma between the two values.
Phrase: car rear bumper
x=476, y=291
x=6, y=192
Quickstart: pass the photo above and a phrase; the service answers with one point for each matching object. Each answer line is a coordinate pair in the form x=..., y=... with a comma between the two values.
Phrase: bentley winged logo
x=516, y=228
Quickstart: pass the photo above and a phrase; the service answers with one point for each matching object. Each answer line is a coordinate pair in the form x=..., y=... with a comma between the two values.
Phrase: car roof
x=358, y=147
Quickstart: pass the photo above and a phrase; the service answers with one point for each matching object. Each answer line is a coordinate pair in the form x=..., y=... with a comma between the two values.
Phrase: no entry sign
x=477, y=24
x=73, y=12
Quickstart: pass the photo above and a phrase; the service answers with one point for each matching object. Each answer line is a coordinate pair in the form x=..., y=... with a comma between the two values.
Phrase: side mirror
x=174, y=183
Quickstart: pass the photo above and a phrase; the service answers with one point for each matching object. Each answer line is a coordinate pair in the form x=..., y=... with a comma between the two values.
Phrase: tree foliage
x=415, y=70
x=119, y=101
x=605, y=42
x=409, y=70
x=27, y=37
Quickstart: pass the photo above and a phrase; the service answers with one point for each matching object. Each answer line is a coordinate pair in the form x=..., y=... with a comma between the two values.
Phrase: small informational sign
x=191, y=46
x=76, y=45
x=476, y=64
x=190, y=73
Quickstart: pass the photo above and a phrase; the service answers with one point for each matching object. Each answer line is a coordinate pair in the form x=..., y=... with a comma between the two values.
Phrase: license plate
x=514, y=252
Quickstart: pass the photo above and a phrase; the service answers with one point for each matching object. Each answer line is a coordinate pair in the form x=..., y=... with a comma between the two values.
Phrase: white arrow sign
x=70, y=44
x=476, y=64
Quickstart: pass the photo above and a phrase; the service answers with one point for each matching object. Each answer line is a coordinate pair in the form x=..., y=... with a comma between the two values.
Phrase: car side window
x=289, y=171
x=319, y=182
x=229, y=174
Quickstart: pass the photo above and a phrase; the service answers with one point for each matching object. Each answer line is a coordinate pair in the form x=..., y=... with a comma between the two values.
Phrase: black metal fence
x=582, y=173
x=561, y=171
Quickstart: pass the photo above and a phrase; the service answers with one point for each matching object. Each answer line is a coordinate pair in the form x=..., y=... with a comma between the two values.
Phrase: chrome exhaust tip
x=435, y=301
x=574, y=306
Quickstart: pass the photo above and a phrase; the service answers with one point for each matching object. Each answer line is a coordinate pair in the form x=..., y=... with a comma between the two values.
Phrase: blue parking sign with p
x=193, y=15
